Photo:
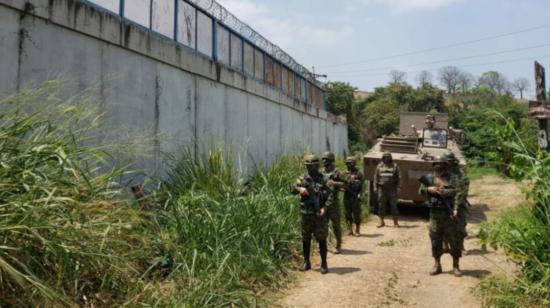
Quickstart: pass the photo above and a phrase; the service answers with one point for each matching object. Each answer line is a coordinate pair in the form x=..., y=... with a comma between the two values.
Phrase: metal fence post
x=214, y=39
x=151, y=15
x=176, y=15
x=196, y=29
x=121, y=8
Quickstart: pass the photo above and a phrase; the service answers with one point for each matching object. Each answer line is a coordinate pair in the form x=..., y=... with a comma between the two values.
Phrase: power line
x=447, y=60
x=421, y=51
x=467, y=65
x=435, y=69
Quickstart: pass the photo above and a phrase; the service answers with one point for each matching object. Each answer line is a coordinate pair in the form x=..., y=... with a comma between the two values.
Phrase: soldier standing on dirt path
x=313, y=192
x=335, y=182
x=461, y=196
x=387, y=182
x=353, y=195
x=443, y=225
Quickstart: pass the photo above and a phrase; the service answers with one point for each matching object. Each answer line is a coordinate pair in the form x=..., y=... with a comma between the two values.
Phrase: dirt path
x=389, y=266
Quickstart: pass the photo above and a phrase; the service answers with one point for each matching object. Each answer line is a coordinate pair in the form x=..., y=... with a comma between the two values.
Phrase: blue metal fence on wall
x=191, y=26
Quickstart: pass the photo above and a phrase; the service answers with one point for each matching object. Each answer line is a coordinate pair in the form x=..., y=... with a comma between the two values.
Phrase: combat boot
x=381, y=222
x=350, y=228
x=437, y=267
x=395, y=222
x=456, y=267
x=323, y=252
x=306, y=250
x=338, y=249
x=357, y=230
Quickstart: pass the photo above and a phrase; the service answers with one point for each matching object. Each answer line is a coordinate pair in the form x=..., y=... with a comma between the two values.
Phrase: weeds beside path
x=372, y=273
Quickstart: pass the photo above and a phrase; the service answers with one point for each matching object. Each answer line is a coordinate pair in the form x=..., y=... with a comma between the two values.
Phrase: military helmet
x=387, y=154
x=451, y=158
x=329, y=156
x=311, y=160
x=350, y=159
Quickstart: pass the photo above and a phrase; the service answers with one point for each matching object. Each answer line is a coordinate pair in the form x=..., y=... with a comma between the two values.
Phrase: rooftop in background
x=361, y=94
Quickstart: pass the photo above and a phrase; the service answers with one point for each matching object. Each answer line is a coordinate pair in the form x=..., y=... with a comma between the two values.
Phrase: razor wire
x=228, y=19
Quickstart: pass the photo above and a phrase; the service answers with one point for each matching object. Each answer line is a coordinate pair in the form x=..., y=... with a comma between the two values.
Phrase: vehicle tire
x=373, y=199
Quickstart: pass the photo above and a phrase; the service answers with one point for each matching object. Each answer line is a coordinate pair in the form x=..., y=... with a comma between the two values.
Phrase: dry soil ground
x=389, y=266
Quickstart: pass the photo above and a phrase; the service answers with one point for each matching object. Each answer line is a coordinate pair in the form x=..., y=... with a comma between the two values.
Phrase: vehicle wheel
x=373, y=199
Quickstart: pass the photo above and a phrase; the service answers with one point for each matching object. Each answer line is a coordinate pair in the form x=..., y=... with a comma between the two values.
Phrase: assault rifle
x=312, y=199
x=428, y=182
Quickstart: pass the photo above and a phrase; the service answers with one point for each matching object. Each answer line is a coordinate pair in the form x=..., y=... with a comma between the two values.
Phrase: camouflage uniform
x=387, y=180
x=335, y=182
x=353, y=194
x=312, y=223
x=461, y=197
x=442, y=225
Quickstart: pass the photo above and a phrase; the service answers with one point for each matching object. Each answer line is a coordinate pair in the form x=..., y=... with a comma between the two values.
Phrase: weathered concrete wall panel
x=131, y=95
x=236, y=128
x=257, y=129
x=176, y=103
x=158, y=97
x=273, y=137
x=210, y=119
x=9, y=51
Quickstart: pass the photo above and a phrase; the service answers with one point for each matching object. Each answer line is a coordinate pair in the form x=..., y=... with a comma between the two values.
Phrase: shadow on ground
x=476, y=273
x=343, y=270
x=478, y=252
x=371, y=235
x=477, y=213
x=351, y=252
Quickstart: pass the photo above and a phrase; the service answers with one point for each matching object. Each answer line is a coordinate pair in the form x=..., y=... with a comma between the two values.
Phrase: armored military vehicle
x=421, y=138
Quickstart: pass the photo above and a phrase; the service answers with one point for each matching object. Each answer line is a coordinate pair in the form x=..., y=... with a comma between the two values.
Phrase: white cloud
x=289, y=31
x=399, y=6
x=244, y=9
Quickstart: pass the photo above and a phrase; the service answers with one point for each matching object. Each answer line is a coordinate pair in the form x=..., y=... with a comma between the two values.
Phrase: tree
x=521, y=85
x=380, y=117
x=494, y=81
x=398, y=77
x=341, y=101
x=449, y=78
x=340, y=98
x=465, y=81
x=424, y=78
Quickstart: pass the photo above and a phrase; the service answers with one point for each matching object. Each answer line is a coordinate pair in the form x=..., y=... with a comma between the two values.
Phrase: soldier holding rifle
x=441, y=188
x=313, y=192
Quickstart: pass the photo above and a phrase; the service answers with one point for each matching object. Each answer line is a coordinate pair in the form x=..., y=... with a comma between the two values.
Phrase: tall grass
x=237, y=239
x=70, y=236
x=524, y=234
x=64, y=238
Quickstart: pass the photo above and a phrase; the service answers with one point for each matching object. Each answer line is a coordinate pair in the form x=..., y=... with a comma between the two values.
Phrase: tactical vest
x=387, y=176
x=435, y=201
x=319, y=196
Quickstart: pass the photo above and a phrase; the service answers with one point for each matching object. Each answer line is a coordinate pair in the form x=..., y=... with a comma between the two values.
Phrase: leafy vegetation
x=71, y=236
x=523, y=233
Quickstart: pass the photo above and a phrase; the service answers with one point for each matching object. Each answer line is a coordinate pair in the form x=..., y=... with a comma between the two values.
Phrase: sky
x=361, y=41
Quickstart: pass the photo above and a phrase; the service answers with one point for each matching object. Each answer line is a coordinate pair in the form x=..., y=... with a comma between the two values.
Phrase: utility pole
x=540, y=109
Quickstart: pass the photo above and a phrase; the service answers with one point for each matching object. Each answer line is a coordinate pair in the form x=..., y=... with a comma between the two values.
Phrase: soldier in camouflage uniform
x=314, y=192
x=387, y=182
x=335, y=182
x=353, y=195
x=443, y=220
x=461, y=197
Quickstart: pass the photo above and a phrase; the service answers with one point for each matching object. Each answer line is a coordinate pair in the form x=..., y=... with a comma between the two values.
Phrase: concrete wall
x=152, y=87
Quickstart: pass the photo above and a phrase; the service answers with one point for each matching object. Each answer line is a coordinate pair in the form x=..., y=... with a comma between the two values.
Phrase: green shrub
x=524, y=232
